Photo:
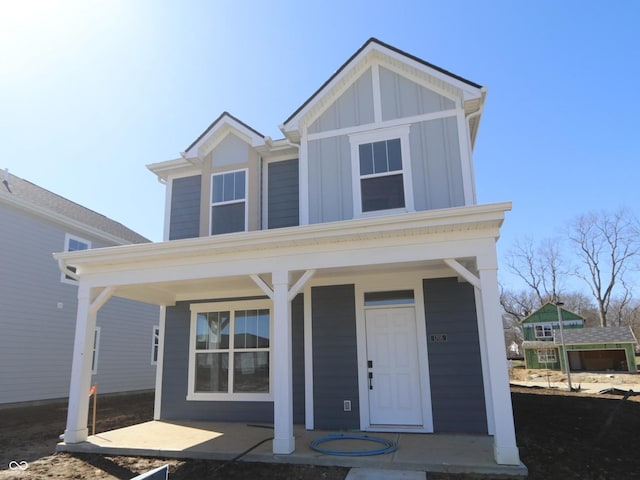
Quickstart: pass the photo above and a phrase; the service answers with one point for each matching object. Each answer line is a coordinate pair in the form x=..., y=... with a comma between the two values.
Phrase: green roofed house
x=588, y=349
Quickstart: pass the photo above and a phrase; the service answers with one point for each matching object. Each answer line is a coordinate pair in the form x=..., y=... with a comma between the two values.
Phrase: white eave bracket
x=463, y=272
x=293, y=291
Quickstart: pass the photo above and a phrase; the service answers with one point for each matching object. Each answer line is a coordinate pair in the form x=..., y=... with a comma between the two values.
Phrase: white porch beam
x=504, y=437
x=462, y=271
x=263, y=285
x=295, y=289
x=86, y=315
x=283, y=441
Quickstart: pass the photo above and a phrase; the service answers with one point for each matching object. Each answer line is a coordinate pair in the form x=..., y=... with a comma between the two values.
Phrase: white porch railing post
x=77, y=430
x=505, y=448
x=283, y=442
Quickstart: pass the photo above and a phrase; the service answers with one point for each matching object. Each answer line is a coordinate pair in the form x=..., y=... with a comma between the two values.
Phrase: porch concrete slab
x=223, y=441
x=375, y=474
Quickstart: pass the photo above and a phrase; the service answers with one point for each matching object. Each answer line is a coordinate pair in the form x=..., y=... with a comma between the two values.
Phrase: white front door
x=393, y=370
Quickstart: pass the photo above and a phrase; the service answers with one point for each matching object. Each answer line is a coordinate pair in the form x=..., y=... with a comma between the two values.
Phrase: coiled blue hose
x=388, y=445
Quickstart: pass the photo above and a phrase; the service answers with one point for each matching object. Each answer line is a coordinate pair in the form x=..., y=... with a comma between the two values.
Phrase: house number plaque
x=438, y=338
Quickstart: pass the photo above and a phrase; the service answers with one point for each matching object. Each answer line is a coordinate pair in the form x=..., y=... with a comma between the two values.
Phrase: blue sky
x=91, y=92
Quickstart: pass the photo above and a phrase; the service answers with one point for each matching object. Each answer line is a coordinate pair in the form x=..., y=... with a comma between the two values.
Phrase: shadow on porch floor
x=223, y=441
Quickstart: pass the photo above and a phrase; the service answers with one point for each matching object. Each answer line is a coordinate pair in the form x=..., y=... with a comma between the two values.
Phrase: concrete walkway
x=223, y=441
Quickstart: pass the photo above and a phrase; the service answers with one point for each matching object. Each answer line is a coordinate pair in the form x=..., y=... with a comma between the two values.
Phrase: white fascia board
x=437, y=234
x=63, y=220
x=179, y=167
x=293, y=124
x=225, y=125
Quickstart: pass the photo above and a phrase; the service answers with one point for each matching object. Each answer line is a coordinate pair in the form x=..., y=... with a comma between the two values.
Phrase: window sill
x=230, y=397
x=383, y=213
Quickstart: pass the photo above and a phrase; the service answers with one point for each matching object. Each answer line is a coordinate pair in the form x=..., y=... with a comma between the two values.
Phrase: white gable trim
x=225, y=125
x=372, y=55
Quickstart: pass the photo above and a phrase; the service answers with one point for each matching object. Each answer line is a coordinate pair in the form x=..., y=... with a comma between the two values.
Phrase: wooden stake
x=95, y=402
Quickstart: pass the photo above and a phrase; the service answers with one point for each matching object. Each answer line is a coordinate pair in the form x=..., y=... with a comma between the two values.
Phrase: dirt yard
x=561, y=435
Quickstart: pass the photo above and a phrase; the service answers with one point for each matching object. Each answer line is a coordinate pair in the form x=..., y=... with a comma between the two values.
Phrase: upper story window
x=544, y=331
x=381, y=171
x=71, y=244
x=229, y=202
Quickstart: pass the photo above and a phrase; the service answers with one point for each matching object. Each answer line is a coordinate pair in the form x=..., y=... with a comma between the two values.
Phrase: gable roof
x=549, y=313
x=225, y=118
x=582, y=336
x=22, y=193
x=470, y=89
x=374, y=40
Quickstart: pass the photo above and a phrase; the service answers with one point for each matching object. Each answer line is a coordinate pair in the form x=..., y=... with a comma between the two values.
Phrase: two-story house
x=587, y=349
x=38, y=303
x=342, y=277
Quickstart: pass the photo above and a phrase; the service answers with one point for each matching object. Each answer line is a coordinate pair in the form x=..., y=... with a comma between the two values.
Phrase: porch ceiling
x=206, y=267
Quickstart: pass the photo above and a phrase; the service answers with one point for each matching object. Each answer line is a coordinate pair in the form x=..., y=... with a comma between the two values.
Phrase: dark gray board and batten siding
x=335, y=360
x=457, y=390
x=283, y=194
x=174, y=404
x=185, y=208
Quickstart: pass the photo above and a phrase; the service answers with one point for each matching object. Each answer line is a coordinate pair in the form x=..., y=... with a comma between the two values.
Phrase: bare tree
x=540, y=267
x=606, y=244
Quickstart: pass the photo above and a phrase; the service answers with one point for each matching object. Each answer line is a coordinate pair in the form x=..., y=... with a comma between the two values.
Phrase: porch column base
x=76, y=436
x=284, y=446
x=506, y=455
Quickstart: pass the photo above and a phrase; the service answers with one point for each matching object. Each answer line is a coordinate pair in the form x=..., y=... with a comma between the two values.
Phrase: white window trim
x=155, y=345
x=67, y=238
x=196, y=308
x=544, y=329
x=379, y=135
x=95, y=351
x=230, y=202
x=547, y=351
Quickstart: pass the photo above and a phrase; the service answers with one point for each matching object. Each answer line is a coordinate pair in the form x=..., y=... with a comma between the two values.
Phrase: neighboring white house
x=38, y=304
x=342, y=277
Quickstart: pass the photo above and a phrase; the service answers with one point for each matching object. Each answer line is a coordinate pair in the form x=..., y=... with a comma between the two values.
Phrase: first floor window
x=155, y=344
x=231, y=350
x=72, y=244
x=228, y=202
x=547, y=355
x=95, y=351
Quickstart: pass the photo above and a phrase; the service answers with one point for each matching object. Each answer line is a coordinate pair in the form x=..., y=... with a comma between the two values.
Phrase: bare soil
x=561, y=435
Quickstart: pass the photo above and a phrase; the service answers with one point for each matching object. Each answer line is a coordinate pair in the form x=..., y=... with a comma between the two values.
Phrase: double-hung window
x=229, y=202
x=230, y=351
x=547, y=355
x=381, y=166
x=544, y=331
x=71, y=244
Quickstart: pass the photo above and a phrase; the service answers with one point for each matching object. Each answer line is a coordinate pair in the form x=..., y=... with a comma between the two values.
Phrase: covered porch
x=386, y=253
x=224, y=441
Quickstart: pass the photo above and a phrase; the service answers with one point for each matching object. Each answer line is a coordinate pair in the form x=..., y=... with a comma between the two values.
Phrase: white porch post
x=283, y=442
x=77, y=430
x=505, y=448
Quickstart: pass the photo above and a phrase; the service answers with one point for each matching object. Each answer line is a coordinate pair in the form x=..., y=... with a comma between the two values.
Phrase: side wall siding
x=330, y=188
x=457, y=391
x=283, y=194
x=436, y=164
x=185, y=208
x=38, y=319
x=335, y=363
